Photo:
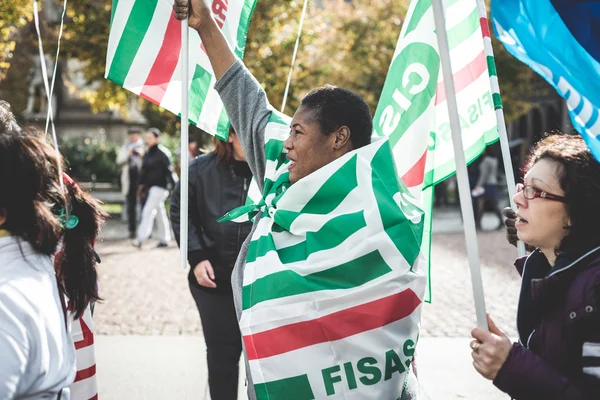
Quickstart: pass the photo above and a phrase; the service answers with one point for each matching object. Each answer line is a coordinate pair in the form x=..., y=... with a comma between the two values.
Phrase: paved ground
x=145, y=294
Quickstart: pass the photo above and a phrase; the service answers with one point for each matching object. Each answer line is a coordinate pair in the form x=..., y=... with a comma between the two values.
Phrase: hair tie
x=68, y=223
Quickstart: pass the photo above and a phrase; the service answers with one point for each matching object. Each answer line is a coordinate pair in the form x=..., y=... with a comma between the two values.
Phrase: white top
x=37, y=355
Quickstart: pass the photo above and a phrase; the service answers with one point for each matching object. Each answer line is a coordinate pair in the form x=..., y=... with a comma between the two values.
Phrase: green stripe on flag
x=289, y=283
x=334, y=190
x=247, y=10
x=406, y=236
x=198, y=91
x=329, y=196
x=463, y=30
x=295, y=388
x=420, y=10
x=331, y=235
x=137, y=25
x=113, y=11
x=274, y=150
x=276, y=118
x=448, y=169
x=223, y=125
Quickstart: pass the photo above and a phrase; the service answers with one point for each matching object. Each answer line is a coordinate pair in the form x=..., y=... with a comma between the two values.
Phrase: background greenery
x=348, y=44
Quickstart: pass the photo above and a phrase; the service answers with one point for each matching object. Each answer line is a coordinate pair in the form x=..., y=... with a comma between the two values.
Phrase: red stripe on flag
x=485, y=27
x=88, y=336
x=463, y=78
x=336, y=326
x=416, y=174
x=165, y=63
x=85, y=373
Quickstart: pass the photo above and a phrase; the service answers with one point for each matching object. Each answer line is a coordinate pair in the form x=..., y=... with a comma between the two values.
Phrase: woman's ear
x=2, y=217
x=342, y=137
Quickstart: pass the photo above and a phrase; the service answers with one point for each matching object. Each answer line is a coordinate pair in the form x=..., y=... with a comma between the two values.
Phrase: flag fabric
x=412, y=110
x=334, y=279
x=85, y=386
x=560, y=40
x=144, y=56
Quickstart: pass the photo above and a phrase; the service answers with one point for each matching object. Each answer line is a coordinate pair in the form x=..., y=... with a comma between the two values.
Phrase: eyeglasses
x=531, y=192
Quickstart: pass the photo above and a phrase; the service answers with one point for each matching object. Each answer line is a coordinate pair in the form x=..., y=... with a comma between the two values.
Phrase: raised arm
x=200, y=18
x=244, y=99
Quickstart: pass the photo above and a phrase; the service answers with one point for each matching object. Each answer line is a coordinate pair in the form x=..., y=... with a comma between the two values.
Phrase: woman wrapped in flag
x=558, y=317
x=327, y=288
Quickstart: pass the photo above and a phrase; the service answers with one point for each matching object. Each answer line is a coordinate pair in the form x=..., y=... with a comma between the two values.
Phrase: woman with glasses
x=558, y=317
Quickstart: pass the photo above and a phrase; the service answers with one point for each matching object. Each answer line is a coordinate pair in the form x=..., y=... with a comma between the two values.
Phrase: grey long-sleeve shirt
x=248, y=109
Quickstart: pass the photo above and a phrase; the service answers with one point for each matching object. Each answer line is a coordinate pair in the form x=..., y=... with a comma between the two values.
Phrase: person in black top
x=155, y=178
x=218, y=183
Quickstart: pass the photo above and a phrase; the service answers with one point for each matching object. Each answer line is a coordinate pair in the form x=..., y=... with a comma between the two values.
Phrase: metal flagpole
x=184, y=156
x=508, y=168
x=461, y=167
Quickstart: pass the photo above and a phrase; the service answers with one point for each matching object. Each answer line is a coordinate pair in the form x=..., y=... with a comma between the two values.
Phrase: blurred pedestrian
x=218, y=183
x=486, y=190
x=129, y=159
x=156, y=177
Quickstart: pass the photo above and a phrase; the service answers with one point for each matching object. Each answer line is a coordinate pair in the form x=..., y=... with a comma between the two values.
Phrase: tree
x=15, y=15
x=346, y=44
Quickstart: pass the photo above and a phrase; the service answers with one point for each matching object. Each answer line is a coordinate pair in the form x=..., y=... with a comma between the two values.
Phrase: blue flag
x=560, y=40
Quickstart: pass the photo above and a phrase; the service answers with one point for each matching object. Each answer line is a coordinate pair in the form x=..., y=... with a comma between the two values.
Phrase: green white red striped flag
x=334, y=277
x=144, y=56
x=412, y=110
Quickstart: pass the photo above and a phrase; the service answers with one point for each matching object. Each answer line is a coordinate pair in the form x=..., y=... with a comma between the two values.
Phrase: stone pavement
x=146, y=295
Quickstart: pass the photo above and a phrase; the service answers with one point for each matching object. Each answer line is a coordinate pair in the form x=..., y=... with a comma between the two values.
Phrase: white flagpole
x=508, y=168
x=184, y=156
x=461, y=167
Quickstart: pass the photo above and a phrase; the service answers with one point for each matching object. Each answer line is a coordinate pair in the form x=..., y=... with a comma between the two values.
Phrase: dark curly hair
x=335, y=107
x=579, y=178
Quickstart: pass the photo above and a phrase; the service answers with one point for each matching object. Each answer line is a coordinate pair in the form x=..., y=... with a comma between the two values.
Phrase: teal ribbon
x=68, y=223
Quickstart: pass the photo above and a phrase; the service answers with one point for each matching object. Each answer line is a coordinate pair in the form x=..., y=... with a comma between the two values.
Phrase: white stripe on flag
x=305, y=307
x=458, y=12
x=86, y=357
x=84, y=389
x=374, y=343
x=172, y=98
x=149, y=48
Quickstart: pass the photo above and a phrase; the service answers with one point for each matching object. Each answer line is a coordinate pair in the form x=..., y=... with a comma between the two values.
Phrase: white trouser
x=155, y=204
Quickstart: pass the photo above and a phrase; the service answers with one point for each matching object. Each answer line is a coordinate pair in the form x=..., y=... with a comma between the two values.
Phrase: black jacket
x=156, y=168
x=214, y=189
